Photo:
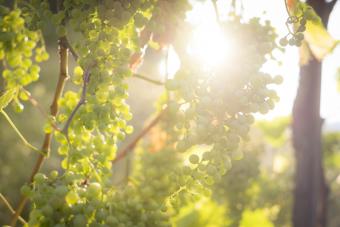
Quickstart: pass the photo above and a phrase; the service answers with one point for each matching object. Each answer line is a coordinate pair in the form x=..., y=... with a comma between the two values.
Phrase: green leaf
x=7, y=97
x=319, y=41
x=258, y=217
x=19, y=133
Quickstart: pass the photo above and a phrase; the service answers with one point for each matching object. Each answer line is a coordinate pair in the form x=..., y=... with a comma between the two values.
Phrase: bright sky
x=206, y=45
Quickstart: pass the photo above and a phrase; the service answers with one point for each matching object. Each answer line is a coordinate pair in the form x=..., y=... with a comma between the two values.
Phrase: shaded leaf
x=7, y=97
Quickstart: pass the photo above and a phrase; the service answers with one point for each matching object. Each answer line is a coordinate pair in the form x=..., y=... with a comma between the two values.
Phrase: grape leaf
x=7, y=97
x=319, y=40
x=291, y=4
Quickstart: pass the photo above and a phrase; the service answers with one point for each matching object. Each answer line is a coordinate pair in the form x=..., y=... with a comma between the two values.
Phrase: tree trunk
x=310, y=194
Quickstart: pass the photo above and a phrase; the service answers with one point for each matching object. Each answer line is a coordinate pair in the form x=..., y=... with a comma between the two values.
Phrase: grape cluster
x=206, y=110
x=234, y=188
x=161, y=180
x=295, y=38
x=201, y=110
x=69, y=200
x=20, y=50
x=104, y=35
x=296, y=25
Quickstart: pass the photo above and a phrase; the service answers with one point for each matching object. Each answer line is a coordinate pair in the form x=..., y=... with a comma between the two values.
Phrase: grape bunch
x=68, y=200
x=211, y=110
x=104, y=35
x=216, y=110
x=296, y=24
x=21, y=49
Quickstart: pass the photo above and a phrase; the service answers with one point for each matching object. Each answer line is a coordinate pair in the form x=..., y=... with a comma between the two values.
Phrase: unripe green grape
x=194, y=159
x=72, y=197
x=129, y=129
x=278, y=79
x=299, y=36
x=79, y=221
x=292, y=41
x=61, y=191
x=283, y=41
x=39, y=178
x=302, y=28
x=48, y=127
x=18, y=106
x=47, y=210
x=26, y=190
x=94, y=189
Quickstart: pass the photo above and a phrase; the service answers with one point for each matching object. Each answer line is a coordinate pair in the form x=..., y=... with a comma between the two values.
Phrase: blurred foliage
x=257, y=216
x=255, y=192
x=206, y=213
x=274, y=131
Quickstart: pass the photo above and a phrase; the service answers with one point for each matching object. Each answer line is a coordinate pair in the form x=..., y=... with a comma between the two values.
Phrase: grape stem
x=19, y=133
x=10, y=208
x=54, y=109
x=82, y=100
x=140, y=135
x=70, y=48
x=148, y=79
x=287, y=9
x=36, y=104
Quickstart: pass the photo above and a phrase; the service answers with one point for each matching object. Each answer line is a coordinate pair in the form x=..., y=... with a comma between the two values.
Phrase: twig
x=36, y=104
x=148, y=79
x=10, y=208
x=287, y=9
x=19, y=133
x=82, y=100
x=54, y=108
x=72, y=51
x=142, y=133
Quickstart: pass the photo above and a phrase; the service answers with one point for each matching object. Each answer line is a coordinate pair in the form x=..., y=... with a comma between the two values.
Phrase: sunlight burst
x=210, y=46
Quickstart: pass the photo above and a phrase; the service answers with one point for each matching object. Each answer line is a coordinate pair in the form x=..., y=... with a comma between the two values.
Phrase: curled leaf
x=7, y=97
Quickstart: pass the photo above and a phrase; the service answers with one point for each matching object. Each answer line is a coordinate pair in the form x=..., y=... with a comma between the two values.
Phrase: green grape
x=25, y=190
x=194, y=159
x=208, y=111
x=94, y=189
x=72, y=197
x=283, y=41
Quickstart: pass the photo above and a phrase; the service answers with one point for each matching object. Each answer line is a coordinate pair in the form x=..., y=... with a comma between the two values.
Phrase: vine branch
x=287, y=8
x=70, y=48
x=19, y=133
x=36, y=104
x=140, y=135
x=156, y=82
x=82, y=100
x=54, y=108
x=10, y=208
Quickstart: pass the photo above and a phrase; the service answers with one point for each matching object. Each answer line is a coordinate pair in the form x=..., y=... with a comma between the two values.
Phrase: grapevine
x=202, y=123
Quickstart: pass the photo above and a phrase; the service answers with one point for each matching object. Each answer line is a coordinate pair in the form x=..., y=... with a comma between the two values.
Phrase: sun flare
x=209, y=45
